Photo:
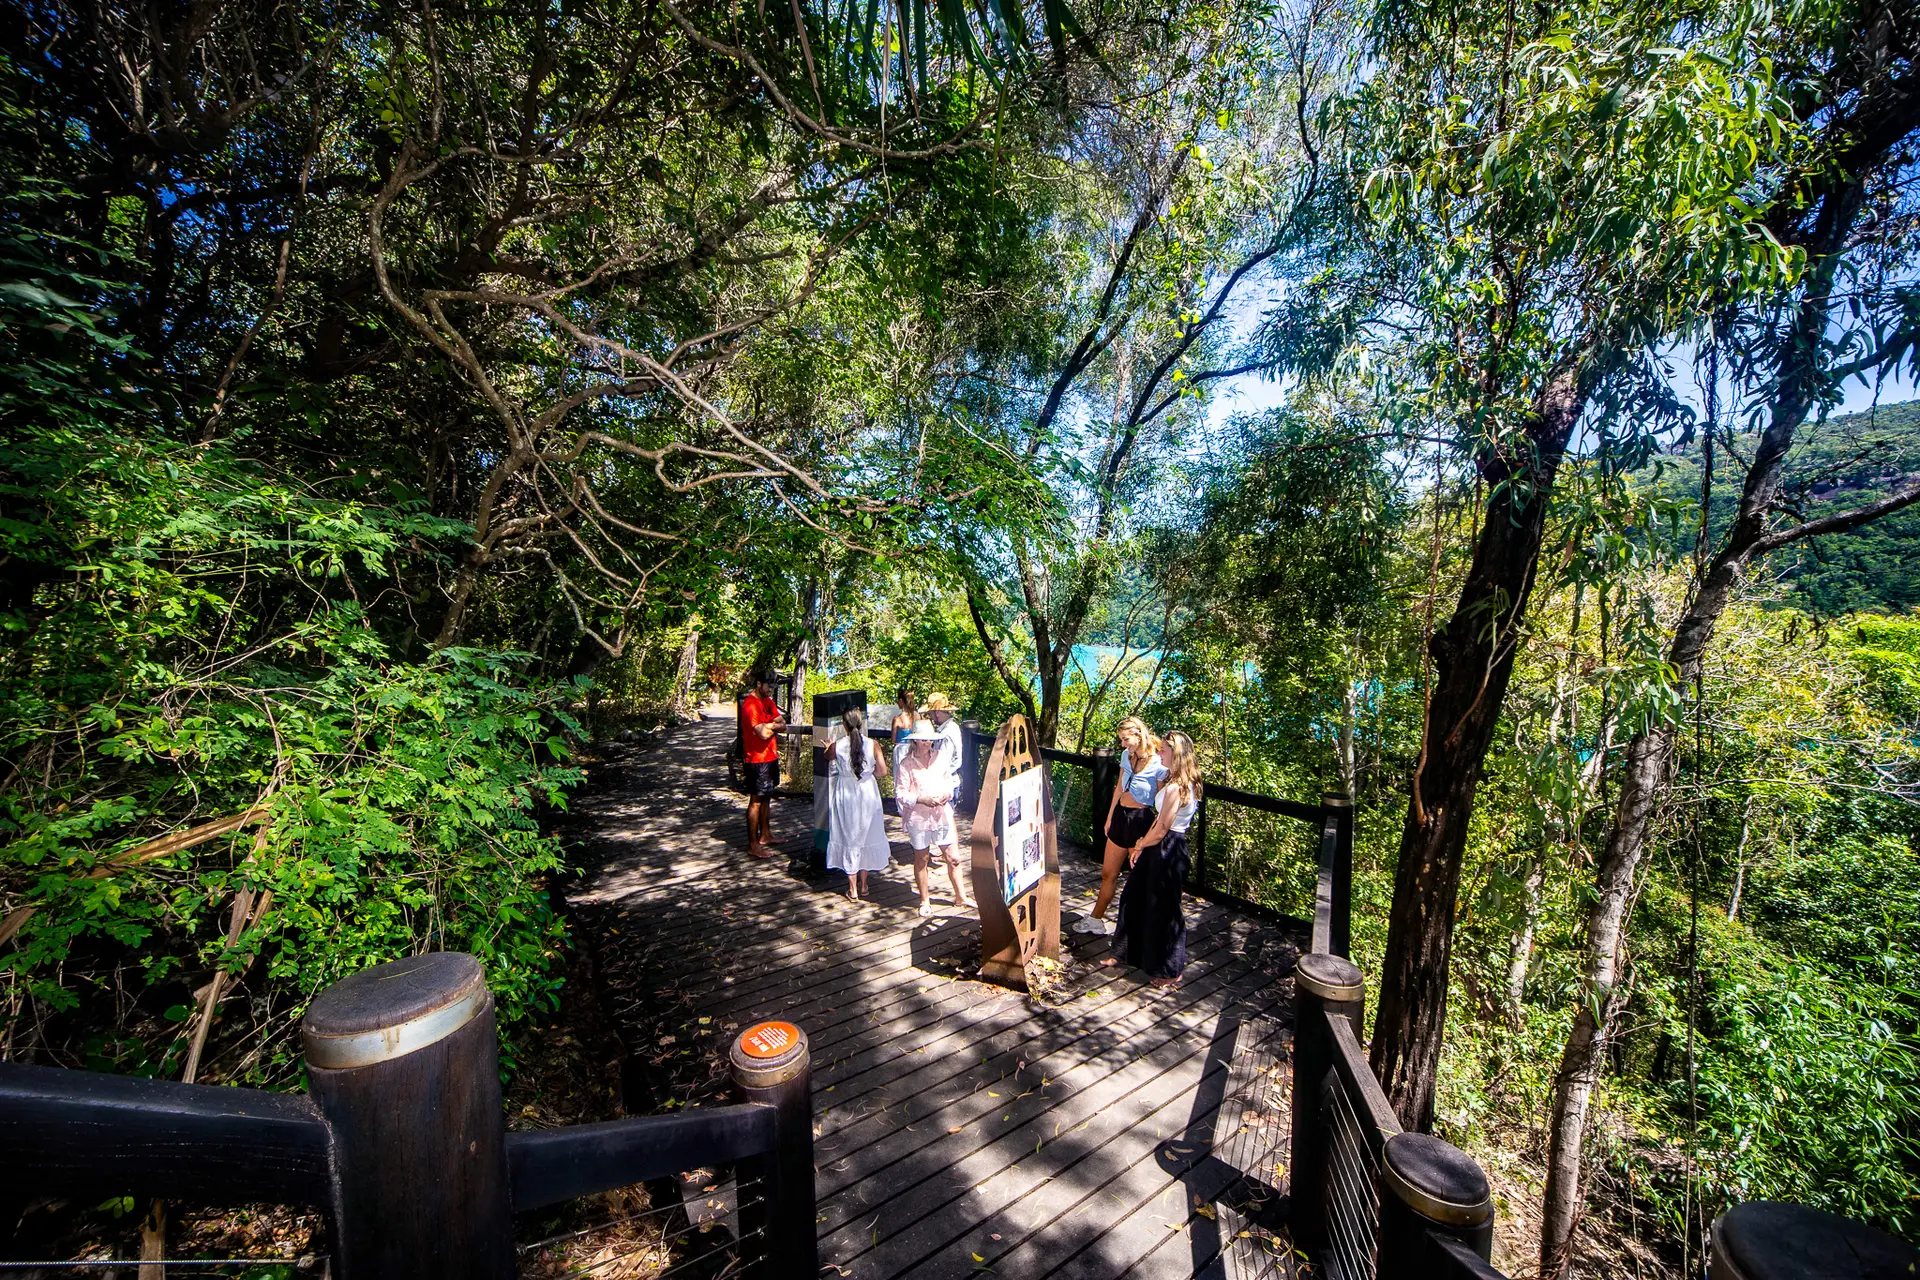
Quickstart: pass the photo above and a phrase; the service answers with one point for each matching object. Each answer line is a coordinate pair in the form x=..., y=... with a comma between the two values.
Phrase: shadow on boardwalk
x=1120, y=1130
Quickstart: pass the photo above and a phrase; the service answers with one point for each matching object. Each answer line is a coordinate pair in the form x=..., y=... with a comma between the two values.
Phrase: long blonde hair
x=1150, y=743
x=1184, y=771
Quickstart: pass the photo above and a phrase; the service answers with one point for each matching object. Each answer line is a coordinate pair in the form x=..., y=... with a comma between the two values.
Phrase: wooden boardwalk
x=1116, y=1130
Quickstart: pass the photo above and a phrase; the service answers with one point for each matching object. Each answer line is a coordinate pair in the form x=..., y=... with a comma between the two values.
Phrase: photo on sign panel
x=1022, y=851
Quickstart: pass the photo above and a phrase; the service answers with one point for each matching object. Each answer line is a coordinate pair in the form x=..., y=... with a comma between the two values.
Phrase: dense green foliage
x=346, y=435
x=1845, y=461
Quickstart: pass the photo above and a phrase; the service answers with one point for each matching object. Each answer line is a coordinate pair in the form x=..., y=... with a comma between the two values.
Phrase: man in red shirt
x=760, y=720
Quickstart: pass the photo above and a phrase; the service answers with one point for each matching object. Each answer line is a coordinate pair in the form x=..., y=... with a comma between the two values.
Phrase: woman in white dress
x=923, y=784
x=857, y=824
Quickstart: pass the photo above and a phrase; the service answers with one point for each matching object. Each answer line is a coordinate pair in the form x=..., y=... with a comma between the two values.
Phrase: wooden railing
x=400, y=1138
x=401, y=1141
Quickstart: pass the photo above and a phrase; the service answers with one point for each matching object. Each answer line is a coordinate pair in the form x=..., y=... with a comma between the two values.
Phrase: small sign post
x=827, y=710
x=1016, y=860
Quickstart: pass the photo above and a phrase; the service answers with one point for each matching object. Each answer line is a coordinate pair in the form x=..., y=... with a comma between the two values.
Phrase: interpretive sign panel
x=1022, y=838
x=1016, y=861
x=827, y=710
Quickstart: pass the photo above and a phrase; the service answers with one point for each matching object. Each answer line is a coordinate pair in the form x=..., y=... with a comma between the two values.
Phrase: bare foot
x=1166, y=982
x=760, y=851
x=1108, y=963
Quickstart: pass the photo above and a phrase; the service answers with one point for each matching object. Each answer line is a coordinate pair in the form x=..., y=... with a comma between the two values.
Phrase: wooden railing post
x=403, y=1063
x=970, y=734
x=1429, y=1188
x=1198, y=842
x=1336, y=808
x=1106, y=776
x=1324, y=986
x=770, y=1065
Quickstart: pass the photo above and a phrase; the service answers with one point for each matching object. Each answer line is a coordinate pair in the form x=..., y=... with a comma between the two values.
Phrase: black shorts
x=763, y=778
x=1128, y=825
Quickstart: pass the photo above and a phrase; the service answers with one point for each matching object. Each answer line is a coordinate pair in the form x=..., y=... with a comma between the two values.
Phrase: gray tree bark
x=1801, y=378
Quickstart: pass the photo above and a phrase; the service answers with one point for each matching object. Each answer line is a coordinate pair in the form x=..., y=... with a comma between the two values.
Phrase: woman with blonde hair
x=1142, y=769
x=1152, y=932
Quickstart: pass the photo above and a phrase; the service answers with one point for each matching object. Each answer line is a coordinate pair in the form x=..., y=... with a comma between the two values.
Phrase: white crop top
x=1180, y=820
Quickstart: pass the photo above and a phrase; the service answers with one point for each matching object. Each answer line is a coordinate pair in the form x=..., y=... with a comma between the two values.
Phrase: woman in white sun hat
x=924, y=788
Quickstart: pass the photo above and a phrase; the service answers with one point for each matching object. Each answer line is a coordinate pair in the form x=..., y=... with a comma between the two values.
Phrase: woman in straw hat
x=924, y=787
x=856, y=821
x=1129, y=813
x=1152, y=931
x=940, y=711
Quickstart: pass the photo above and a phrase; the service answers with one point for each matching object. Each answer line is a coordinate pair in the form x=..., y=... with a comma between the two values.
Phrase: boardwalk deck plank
x=1117, y=1130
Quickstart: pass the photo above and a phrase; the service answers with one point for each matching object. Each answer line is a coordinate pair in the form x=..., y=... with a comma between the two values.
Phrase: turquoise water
x=1093, y=659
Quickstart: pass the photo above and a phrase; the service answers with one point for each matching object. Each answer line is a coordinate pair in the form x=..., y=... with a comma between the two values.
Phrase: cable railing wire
x=1353, y=1202
x=77, y=1264
x=657, y=1211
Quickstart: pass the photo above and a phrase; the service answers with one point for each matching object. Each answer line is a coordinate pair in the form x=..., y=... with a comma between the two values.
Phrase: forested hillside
x=1840, y=463
x=397, y=401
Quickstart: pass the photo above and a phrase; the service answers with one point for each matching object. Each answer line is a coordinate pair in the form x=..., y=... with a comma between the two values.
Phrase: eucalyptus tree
x=1539, y=195
x=661, y=267
x=592, y=281
x=1844, y=205
x=1192, y=157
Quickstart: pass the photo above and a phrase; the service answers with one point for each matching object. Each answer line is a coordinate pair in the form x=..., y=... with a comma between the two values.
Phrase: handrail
x=1350, y=1062
x=1055, y=755
x=1264, y=803
x=376, y=1140
x=547, y=1166
x=84, y=1131
x=1333, y=881
x=1453, y=1260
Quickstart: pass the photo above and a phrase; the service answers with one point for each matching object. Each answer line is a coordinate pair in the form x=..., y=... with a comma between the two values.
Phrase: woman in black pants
x=1152, y=931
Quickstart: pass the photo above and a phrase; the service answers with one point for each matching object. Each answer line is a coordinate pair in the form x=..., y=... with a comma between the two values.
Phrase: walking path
x=1117, y=1130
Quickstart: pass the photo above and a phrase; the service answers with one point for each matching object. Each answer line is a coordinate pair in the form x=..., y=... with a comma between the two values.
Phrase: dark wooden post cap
x=1329, y=977
x=1436, y=1179
x=767, y=1054
x=1766, y=1240
x=394, y=1009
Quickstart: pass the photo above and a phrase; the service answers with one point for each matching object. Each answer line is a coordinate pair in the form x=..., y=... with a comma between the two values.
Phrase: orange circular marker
x=769, y=1039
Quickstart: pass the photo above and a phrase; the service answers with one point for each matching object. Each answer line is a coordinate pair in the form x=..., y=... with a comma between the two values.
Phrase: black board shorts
x=1128, y=826
x=763, y=777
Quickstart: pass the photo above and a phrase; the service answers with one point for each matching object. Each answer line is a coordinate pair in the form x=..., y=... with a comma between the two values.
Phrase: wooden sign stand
x=1027, y=927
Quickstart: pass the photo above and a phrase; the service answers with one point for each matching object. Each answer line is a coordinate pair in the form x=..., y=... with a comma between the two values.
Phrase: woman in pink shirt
x=924, y=789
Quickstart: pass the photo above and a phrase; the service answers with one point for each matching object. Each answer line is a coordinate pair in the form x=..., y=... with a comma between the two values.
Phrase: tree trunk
x=1349, y=709
x=1640, y=781
x=1473, y=656
x=804, y=651
x=1053, y=676
x=1740, y=859
x=685, y=675
x=453, y=625
x=1800, y=377
x=1522, y=954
